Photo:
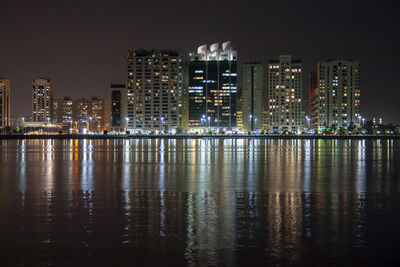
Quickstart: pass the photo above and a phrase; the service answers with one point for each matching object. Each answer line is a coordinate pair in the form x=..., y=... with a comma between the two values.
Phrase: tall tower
x=153, y=84
x=311, y=86
x=285, y=89
x=212, y=86
x=337, y=98
x=252, y=93
x=116, y=115
x=42, y=100
x=4, y=103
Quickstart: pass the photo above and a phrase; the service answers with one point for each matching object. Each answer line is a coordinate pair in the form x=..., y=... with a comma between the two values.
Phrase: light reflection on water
x=200, y=202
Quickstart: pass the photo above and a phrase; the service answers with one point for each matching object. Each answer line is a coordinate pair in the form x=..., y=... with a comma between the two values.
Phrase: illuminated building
x=116, y=107
x=312, y=85
x=285, y=89
x=153, y=85
x=253, y=105
x=336, y=101
x=184, y=98
x=82, y=113
x=63, y=110
x=97, y=112
x=239, y=110
x=212, y=86
x=42, y=100
x=4, y=103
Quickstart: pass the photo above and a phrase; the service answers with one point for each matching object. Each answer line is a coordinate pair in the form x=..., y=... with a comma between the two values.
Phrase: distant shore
x=109, y=136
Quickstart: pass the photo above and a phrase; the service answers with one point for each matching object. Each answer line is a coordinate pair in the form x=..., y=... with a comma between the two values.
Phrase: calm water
x=199, y=202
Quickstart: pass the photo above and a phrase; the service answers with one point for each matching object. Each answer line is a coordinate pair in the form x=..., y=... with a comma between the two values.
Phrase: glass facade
x=212, y=87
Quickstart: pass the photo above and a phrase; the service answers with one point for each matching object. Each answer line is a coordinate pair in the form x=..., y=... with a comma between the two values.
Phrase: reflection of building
x=253, y=105
x=336, y=101
x=42, y=100
x=153, y=84
x=4, y=103
x=285, y=89
x=116, y=107
x=212, y=86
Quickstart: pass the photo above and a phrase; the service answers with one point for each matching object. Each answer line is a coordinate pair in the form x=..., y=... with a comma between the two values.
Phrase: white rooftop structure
x=215, y=52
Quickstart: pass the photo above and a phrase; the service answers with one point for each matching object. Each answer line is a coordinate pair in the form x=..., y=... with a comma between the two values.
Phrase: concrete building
x=97, y=114
x=153, y=85
x=311, y=86
x=285, y=89
x=252, y=93
x=184, y=98
x=63, y=111
x=5, y=115
x=212, y=86
x=116, y=109
x=82, y=114
x=336, y=101
x=42, y=100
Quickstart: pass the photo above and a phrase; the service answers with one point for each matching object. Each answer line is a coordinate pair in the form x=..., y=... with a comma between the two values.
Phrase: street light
x=126, y=123
x=89, y=126
x=209, y=124
x=308, y=122
x=251, y=122
x=162, y=123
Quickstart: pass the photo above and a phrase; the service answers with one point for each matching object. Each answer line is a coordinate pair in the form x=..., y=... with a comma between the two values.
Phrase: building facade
x=63, y=111
x=285, y=89
x=97, y=114
x=252, y=92
x=212, y=86
x=42, y=100
x=153, y=85
x=5, y=115
x=312, y=84
x=116, y=109
x=82, y=114
x=336, y=101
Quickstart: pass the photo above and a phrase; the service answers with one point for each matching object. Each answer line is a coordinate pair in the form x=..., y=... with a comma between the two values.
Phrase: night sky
x=80, y=45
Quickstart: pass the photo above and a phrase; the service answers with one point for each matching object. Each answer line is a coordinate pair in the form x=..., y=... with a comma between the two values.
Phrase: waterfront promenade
x=194, y=136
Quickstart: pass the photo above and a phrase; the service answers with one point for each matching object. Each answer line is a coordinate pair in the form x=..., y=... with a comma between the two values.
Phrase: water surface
x=199, y=202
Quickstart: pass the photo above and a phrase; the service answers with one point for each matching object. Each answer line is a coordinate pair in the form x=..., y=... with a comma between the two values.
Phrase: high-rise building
x=336, y=101
x=285, y=89
x=311, y=86
x=153, y=85
x=5, y=116
x=184, y=98
x=82, y=113
x=253, y=105
x=63, y=111
x=239, y=110
x=212, y=86
x=42, y=100
x=97, y=113
x=116, y=110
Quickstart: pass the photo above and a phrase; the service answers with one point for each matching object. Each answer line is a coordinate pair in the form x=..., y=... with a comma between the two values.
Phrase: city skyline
x=91, y=48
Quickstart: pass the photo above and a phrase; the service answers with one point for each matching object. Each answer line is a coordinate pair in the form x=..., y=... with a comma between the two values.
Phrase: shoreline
x=311, y=137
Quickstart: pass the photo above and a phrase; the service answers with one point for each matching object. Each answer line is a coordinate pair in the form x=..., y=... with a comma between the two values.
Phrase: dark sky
x=80, y=45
